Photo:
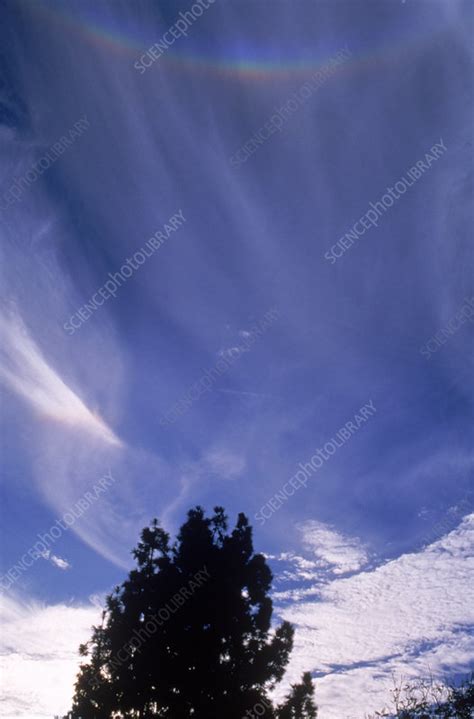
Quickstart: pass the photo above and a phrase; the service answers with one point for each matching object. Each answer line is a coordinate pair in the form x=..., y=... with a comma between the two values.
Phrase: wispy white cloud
x=219, y=462
x=237, y=349
x=243, y=393
x=332, y=549
x=26, y=371
x=57, y=561
x=224, y=462
x=230, y=351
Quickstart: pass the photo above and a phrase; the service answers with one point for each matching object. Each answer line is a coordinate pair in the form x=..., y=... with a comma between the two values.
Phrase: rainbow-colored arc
x=94, y=26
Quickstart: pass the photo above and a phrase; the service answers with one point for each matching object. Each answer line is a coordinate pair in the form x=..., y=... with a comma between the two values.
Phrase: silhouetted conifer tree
x=188, y=634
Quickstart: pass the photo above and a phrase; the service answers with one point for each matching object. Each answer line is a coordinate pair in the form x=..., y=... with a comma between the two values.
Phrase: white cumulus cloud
x=39, y=656
x=406, y=617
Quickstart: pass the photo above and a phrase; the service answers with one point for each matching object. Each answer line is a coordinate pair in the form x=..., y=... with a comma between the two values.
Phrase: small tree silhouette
x=429, y=699
x=188, y=634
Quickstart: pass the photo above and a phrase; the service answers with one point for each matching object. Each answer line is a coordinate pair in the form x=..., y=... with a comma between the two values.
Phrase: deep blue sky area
x=146, y=145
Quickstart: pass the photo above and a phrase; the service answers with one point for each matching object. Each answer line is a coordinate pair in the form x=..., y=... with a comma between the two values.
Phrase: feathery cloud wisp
x=25, y=370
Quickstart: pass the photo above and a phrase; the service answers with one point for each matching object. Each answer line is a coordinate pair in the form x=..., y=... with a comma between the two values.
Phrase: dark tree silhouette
x=188, y=634
x=299, y=704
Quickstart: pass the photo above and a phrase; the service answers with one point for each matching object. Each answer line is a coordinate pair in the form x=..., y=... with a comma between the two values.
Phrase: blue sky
x=253, y=240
